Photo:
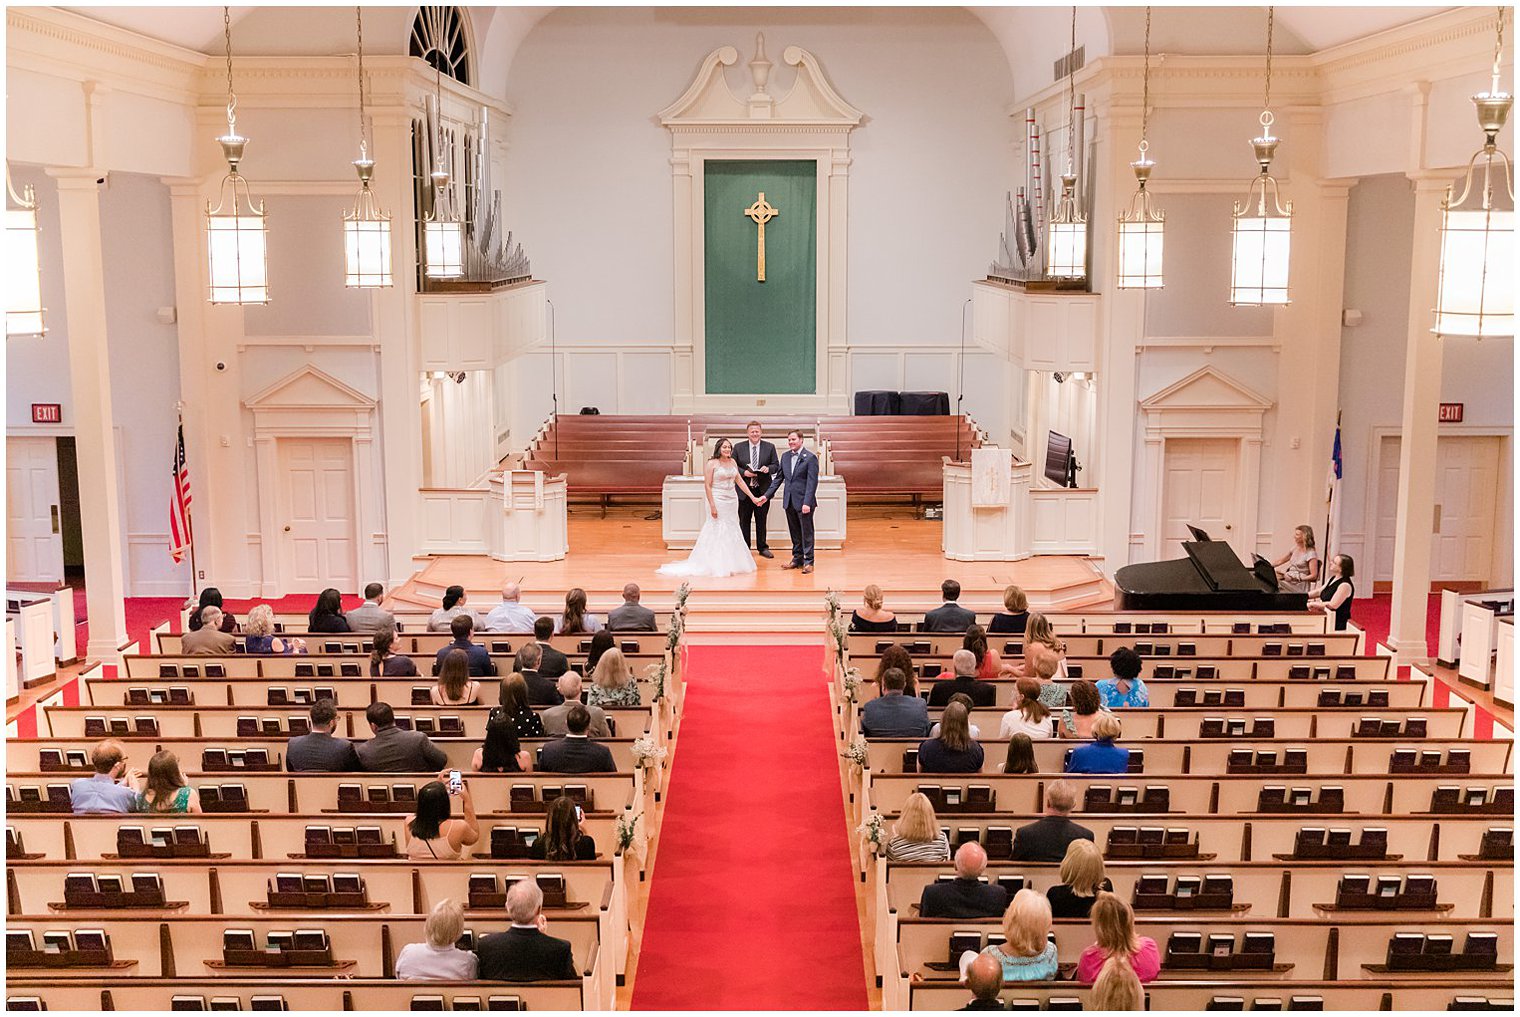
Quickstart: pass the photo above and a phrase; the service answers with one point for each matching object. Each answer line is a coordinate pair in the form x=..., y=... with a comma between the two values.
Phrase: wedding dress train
x=720, y=549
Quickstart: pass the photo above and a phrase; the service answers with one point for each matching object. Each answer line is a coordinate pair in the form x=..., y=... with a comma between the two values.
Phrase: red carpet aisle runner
x=753, y=901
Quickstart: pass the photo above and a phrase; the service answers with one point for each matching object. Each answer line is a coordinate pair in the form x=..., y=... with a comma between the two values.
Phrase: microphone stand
x=553, y=378
x=960, y=382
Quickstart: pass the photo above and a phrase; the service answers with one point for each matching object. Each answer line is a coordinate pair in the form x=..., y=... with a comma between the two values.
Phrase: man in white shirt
x=509, y=615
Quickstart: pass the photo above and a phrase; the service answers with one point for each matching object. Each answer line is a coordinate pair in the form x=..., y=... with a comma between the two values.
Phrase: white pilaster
x=1417, y=448
x=90, y=374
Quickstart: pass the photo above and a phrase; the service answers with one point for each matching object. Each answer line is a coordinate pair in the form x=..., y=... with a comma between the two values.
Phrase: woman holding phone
x=433, y=833
x=565, y=838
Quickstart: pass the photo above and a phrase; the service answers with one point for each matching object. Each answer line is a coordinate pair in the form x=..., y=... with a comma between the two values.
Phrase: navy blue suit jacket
x=801, y=482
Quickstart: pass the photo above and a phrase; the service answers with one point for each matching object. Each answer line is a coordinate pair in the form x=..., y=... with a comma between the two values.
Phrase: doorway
x=1200, y=485
x=317, y=542
x=1465, y=517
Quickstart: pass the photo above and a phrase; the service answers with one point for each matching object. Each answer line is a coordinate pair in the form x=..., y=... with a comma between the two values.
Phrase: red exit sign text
x=47, y=413
x=1451, y=413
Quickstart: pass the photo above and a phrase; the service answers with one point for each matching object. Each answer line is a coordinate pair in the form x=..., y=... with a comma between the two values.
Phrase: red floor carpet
x=752, y=905
x=1373, y=615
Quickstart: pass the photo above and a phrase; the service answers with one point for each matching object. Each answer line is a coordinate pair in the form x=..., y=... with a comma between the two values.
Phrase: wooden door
x=317, y=542
x=34, y=539
x=1200, y=486
x=1465, y=514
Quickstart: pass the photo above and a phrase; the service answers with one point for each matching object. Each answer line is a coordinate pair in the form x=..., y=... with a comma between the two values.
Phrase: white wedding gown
x=720, y=549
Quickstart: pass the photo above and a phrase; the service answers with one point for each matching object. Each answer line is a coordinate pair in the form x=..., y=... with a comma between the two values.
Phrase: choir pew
x=87, y=994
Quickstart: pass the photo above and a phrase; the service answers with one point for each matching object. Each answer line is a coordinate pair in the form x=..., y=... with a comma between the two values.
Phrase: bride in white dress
x=720, y=549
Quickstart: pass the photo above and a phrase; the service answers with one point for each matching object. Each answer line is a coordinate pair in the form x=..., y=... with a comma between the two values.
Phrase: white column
x=90, y=374
x=683, y=359
x=1417, y=448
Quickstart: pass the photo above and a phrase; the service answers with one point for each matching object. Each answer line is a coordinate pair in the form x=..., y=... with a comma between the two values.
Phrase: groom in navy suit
x=799, y=468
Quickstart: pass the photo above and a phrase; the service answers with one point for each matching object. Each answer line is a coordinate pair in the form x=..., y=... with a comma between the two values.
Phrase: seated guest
x=1101, y=755
x=1298, y=568
x=916, y=836
x=1042, y=644
x=1053, y=694
x=949, y=616
x=502, y=751
x=432, y=834
x=966, y=896
x=963, y=663
x=1081, y=880
x=575, y=620
x=874, y=618
x=1124, y=690
x=565, y=838
x=370, y=616
x=525, y=953
x=392, y=750
x=1117, y=989
x=893, y=714
x=1012, y=622
x=455, y=687
x=165, y=788
x=1027, y=954
x=631, y=616
x=1085, y=707
x=1020, y=755
x=1046, y=839
x=259, y=637
x=453, y=606
x=576, y=752
x=211, y=597
x=1029, y=717
x=984, y=977
x=327, y=615
x=988, y=664
x=318, y=750
x=600, y=644
x=1116, y=944
x=438, y=959
x=553, y=663
x=613, y=683
x=1335, y=598
x=385, y=662
x=954, y=751
x=964, y=700
x=554, y=717
x=480, y=663
x=897, y=656
x=210, y=638
x=515, y=703
x=510, y=615
x=112, y=787
x=541, y=687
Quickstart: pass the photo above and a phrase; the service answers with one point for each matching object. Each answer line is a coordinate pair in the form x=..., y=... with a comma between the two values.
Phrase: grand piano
x=1210, y=578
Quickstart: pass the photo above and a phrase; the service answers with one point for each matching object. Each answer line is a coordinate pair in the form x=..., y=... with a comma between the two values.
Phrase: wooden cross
x=761, y=212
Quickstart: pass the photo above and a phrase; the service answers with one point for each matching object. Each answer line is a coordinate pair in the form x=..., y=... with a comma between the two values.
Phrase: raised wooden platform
x=887, y=547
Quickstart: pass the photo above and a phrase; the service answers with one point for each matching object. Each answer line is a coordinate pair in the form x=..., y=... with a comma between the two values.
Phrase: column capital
x=77, y=178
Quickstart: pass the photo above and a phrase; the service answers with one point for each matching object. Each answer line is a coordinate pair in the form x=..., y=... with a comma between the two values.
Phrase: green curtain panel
x=761, y=336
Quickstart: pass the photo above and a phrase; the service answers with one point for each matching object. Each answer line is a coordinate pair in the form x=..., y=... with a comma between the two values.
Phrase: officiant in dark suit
x=758, y=466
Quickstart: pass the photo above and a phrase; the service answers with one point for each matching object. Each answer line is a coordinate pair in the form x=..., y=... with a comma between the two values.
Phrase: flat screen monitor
x=1058, y=460
x=1197, y=533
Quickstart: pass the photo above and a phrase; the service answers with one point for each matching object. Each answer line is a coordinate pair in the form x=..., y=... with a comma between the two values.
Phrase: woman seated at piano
x=259, y=637
x=1298, y=569
x=1335, y=598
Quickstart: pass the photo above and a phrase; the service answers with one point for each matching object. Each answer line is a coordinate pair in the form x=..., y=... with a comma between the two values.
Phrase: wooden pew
x=301, y=994
x=296, y=666
x=1253, y=994
x=1096, y=644
x=424, y=643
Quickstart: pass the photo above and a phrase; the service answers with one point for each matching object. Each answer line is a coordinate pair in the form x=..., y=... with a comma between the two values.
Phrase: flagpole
x=179, y=437
x=1330, y=501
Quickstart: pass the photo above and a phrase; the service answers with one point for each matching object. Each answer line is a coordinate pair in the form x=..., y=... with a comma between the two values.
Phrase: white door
x=34, y=541
x=1199, y=486
x=316, y=503
x=1464, y=517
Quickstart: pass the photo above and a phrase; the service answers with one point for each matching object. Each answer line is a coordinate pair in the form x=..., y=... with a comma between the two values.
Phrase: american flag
x=179, y=505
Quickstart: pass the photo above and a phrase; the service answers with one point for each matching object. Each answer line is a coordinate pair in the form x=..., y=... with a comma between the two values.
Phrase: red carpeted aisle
x=752, y=905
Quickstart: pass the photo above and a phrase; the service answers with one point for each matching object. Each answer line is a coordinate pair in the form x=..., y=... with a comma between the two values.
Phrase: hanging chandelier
x=23, y=263
x=1140, y=228
x=366, y=227
x=443, y=232
x=1066, y=233
x=1476, y=292
x=236, y=231
x=1262, y=234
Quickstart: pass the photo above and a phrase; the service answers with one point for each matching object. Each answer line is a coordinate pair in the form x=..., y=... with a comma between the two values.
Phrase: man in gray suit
x=370, y=616
x=392, y=750
x=892, y=714
x=319, y=750
x=554, y=718
x=632, y=616
x=949, y=616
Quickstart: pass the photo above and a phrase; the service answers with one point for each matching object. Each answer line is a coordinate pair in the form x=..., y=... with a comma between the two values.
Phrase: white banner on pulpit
x=991, y=477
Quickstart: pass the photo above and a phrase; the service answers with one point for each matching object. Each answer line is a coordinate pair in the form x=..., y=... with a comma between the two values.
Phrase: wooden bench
x=943, y=644
x=1253, y=994
x=304, y=994
x=427, y=644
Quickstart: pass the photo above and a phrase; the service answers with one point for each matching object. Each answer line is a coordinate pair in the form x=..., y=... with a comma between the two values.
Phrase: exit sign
x=47, y=413
x=1451, y=413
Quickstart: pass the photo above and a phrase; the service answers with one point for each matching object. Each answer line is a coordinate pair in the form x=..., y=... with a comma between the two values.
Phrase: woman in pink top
x=1114, y=928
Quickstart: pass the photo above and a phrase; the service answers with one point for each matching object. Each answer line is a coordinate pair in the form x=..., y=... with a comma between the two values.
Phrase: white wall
x=589, y=181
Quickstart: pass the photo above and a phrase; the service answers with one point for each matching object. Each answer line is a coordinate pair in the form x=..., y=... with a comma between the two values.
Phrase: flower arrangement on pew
x=852, y=678
x=656, y=673
x=646, y=753
x=633, y=842
x=677, y=618
x=856, y=753
x=873, y=832
x=839, y=632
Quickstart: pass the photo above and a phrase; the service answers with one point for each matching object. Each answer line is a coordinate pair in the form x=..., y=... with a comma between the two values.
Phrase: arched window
x=440, y=38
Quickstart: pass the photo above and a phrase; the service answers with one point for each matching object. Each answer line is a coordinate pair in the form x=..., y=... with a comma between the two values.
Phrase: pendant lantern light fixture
x=1066, y=233
x=1141, y=228
x=1263, y=226
x=366, y=227
x=1476, y=292
x=236, y=229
